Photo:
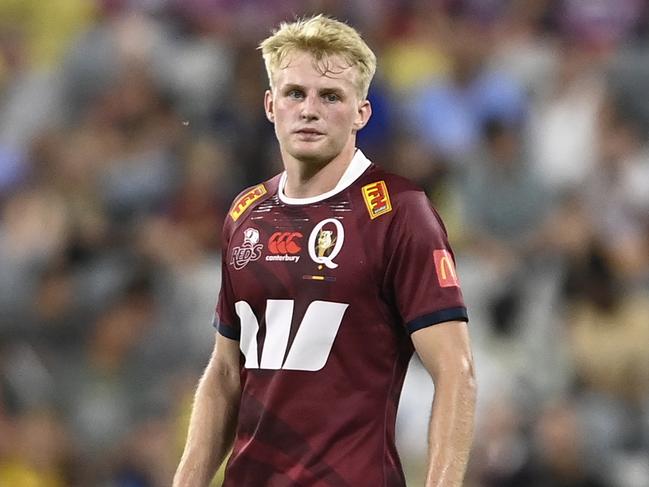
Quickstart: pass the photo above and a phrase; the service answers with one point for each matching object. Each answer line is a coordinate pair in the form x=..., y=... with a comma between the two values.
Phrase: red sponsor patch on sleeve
x=445, y=268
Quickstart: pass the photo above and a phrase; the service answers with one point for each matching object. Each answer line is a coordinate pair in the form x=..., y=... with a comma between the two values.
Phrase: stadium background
x=126, y=128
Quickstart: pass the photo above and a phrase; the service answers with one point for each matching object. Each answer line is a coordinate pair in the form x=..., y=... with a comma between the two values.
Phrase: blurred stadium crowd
x=126, y=128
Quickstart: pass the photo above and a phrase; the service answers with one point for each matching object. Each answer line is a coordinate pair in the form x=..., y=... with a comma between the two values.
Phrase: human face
x=316, y=114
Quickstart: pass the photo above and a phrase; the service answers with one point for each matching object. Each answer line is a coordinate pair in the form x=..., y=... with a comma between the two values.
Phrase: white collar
x=357, y=166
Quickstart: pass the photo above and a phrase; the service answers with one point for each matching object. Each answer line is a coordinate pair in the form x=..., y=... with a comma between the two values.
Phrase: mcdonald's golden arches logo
x=445, y=268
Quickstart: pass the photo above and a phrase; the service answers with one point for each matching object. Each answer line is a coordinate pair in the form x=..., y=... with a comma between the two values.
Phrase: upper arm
x=445, y=350
x=420, y=272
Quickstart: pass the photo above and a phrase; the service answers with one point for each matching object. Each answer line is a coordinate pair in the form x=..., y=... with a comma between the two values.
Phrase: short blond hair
x=322, y=37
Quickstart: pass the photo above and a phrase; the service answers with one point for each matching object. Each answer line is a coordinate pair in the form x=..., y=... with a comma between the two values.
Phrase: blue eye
x=331, y=97
x=295, y=94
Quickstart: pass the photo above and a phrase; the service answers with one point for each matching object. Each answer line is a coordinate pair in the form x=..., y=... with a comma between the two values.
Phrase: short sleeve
x=421, y=274
x=226, y=320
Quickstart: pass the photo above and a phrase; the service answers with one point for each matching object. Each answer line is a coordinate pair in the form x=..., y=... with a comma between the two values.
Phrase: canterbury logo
x=284, y=243
x=246, y=200
x=377, y=199
x=311, y=346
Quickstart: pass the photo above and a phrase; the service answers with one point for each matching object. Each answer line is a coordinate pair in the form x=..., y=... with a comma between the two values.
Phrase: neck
x=306, y=179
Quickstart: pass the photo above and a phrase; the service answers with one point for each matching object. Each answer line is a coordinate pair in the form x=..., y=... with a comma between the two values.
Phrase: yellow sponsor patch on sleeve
x=245, y=200
x=377, y=199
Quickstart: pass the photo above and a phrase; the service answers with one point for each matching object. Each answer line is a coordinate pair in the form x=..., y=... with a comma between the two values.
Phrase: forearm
x=451, y=430
x=211, y=428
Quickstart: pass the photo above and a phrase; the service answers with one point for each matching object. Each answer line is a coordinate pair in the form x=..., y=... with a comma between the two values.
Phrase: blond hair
x=322, y=37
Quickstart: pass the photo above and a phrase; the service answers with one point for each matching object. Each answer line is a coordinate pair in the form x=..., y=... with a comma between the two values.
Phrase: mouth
x=308, y=132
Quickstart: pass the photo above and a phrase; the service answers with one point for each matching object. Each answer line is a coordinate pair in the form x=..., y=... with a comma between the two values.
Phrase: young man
x=333, y=273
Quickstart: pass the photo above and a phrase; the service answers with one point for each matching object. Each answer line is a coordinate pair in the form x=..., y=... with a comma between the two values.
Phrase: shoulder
x=383, y=189
x=398, y=183
x=246, y=201
x=404, y=207
x=251, y=197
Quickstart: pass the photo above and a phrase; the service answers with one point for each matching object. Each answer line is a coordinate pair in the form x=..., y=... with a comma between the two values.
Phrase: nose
x=309, y=108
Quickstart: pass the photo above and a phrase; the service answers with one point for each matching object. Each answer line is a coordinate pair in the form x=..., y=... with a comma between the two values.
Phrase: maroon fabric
x=335, y=426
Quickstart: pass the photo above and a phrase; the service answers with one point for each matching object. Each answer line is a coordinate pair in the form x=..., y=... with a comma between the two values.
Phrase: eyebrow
x=324, y=89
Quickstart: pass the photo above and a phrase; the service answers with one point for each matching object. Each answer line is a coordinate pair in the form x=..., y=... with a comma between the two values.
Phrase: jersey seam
x=385, y=418
x=388, y=241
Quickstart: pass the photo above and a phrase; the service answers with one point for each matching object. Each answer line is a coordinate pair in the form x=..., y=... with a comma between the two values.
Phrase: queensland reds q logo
x=325, y=245
x=250, y=250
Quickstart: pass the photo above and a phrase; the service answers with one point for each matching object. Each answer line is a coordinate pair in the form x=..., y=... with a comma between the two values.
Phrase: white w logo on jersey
x=312, y=344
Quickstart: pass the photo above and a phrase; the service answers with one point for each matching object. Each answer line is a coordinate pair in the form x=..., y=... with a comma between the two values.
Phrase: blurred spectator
x=620, y=221
x=48, y=27
x=448, y=113
x=504, y=203
x=414, y=52
x=241, y=123
x=39, y=454
x=603, y=23
x=628, y=80
x=563, y=119
x=608, y=329
x=559, y=439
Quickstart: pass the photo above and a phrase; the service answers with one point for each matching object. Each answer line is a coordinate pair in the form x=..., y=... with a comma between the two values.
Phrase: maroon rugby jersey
x=322, y=294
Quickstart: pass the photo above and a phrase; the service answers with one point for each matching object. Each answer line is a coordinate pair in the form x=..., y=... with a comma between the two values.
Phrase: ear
x=363, y=115
x=268, y=106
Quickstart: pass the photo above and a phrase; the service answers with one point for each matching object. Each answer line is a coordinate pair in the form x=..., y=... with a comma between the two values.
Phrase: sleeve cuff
x=226, y=330
x=449, y=314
